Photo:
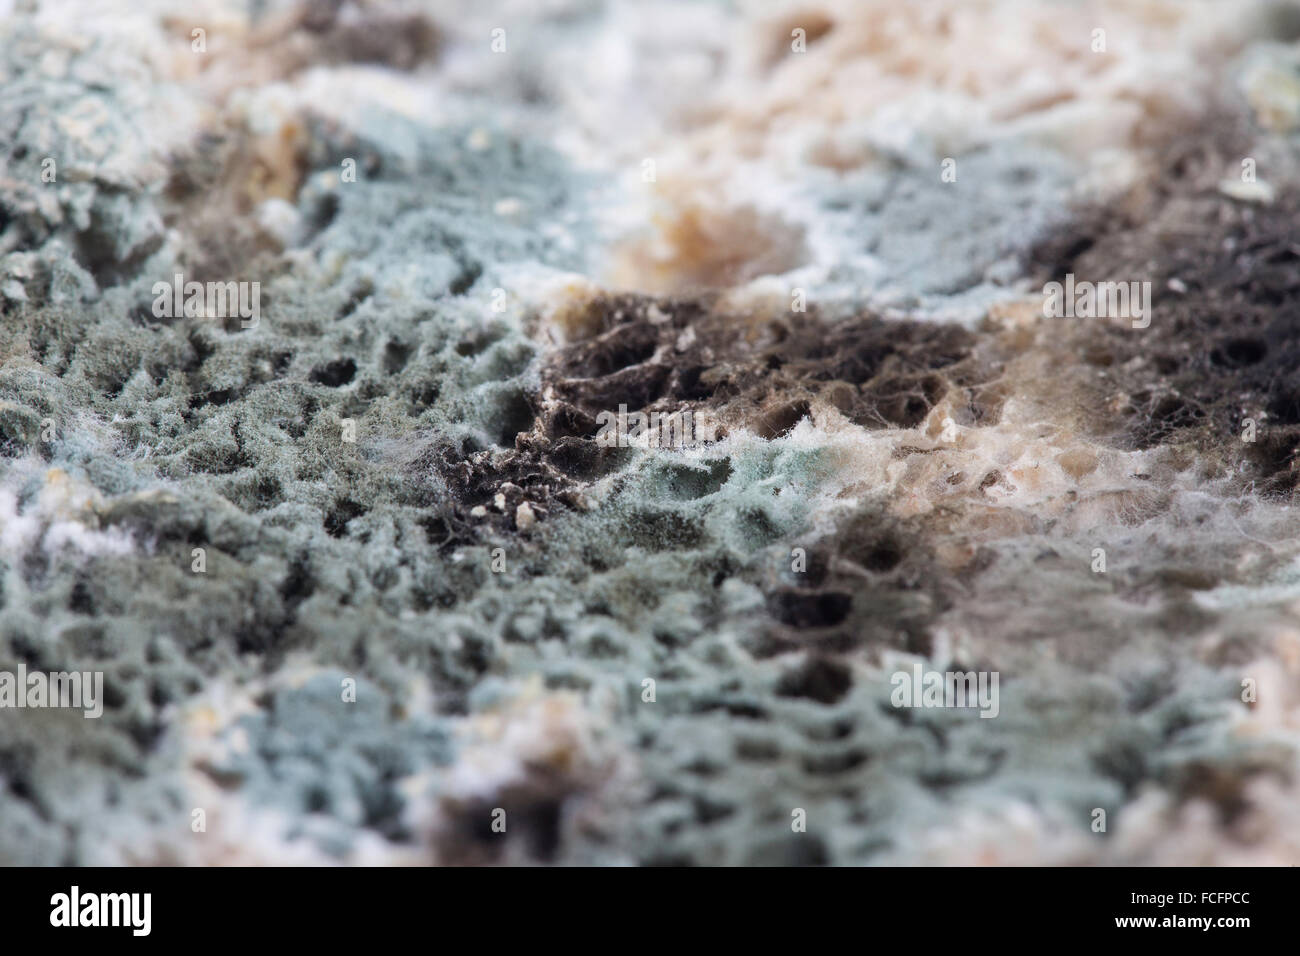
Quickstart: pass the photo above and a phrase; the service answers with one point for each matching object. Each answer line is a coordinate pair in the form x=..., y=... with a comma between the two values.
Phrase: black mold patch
x=335, y=374
x=822, y=679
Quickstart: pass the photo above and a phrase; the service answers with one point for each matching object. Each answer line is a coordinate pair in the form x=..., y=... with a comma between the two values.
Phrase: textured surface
x=439, y=335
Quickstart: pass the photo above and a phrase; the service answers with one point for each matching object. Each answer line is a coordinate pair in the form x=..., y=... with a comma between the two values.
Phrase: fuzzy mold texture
x=620, y=421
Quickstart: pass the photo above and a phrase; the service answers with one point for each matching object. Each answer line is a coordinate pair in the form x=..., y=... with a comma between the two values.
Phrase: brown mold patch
x=1223, y=346
x=876, y=581
x=213, y=190
x=815, y=24
x=765, y=374
x=500, y=482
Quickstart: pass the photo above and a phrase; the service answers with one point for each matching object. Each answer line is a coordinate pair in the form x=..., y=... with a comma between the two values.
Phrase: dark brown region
x=676, y=355
x=764, y=374
x=875, y=583
x=1224, y=341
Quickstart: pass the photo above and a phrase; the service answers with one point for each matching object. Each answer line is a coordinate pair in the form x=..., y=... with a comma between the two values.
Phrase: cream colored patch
x=698, y=244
